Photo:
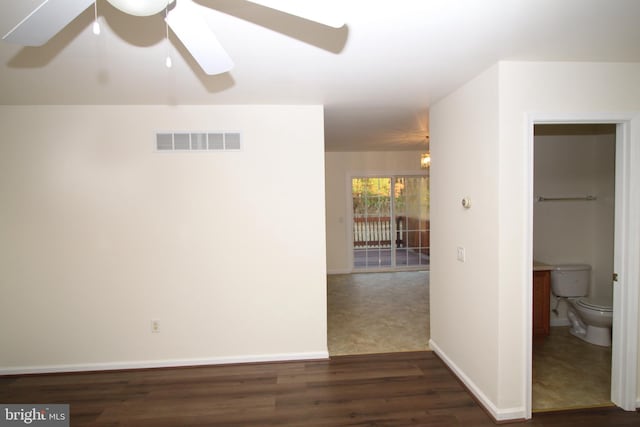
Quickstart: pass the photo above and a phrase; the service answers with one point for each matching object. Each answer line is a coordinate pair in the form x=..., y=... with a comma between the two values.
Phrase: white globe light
x=141, y=7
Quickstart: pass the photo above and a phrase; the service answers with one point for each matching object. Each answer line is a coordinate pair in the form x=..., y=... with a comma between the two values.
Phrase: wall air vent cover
x=198, y=141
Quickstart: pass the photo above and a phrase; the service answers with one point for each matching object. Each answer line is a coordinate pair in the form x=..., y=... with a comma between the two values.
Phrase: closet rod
x=555, y=199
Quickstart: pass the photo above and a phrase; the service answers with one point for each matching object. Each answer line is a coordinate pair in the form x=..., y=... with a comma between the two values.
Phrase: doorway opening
x=573, y=225
x=382, y=306
x=626, y=287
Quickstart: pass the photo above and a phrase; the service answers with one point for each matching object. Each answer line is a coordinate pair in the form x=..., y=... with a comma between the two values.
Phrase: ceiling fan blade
x=197, y=37
x=46, y=21
x=312, y=11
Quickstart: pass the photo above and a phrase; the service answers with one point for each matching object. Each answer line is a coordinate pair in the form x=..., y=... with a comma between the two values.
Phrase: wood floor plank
x=400, y=389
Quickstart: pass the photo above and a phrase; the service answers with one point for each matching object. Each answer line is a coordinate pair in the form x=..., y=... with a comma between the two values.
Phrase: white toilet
x=590, y=320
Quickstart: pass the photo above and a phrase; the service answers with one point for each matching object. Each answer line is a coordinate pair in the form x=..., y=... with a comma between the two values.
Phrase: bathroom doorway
x=573, y=223
x=626, y=290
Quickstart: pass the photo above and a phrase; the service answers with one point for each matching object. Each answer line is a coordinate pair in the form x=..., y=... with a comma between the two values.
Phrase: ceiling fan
x=51, y=16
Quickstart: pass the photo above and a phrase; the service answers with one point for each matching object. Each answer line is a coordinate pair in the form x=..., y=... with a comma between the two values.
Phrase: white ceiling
x=376, y=76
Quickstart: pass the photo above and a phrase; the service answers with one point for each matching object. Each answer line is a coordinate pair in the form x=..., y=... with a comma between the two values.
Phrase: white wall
x=480, y=324
x=339, y=167
x=576, y=232
x=99, y=234
x=464, y=303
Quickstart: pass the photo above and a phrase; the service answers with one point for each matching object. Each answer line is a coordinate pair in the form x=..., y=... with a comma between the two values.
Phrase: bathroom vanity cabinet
x=541, y=301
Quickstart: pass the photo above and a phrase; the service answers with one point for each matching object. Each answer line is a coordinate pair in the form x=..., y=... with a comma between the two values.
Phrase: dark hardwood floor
x=401, y=389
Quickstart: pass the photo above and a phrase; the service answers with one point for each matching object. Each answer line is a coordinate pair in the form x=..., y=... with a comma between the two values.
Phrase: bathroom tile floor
x=570, y=373
x=378, y=312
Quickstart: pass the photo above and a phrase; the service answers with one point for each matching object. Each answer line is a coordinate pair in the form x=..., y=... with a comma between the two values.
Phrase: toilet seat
x=586, y=303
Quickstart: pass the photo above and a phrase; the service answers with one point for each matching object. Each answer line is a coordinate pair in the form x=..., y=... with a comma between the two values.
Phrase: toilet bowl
x=590, y=321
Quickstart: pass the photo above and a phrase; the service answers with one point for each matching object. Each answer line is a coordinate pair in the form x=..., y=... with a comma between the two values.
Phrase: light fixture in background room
x=425, y=158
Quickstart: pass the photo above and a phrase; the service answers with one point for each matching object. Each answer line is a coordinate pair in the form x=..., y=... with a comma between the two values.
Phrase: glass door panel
x=412, y=220
x=371, y=222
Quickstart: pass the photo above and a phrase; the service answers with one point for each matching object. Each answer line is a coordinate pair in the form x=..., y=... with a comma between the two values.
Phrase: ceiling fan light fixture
x=141, y=7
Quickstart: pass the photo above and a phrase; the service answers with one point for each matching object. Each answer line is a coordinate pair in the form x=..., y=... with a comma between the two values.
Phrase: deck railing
x=372, y=232
x=376, y=232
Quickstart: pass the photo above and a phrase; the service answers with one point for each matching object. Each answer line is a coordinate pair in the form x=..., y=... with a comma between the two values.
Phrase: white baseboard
x=380, y=270
x=340, y=271
x=498, y=414
x=145, y=364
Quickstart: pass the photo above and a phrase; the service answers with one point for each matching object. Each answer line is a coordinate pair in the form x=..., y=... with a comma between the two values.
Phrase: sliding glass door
x=390, y=218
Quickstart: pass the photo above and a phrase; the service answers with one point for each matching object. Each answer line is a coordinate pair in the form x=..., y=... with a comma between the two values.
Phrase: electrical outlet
x=461, y=254
x=155, y=326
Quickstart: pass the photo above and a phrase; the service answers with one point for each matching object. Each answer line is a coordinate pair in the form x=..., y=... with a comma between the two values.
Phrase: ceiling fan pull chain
x=96, y=24
x=167, y=60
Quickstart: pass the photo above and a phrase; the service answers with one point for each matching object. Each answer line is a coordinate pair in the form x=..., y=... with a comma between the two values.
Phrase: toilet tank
x=570, y=280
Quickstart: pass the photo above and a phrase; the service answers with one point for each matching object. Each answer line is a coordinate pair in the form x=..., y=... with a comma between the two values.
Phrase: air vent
x=200, y=141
